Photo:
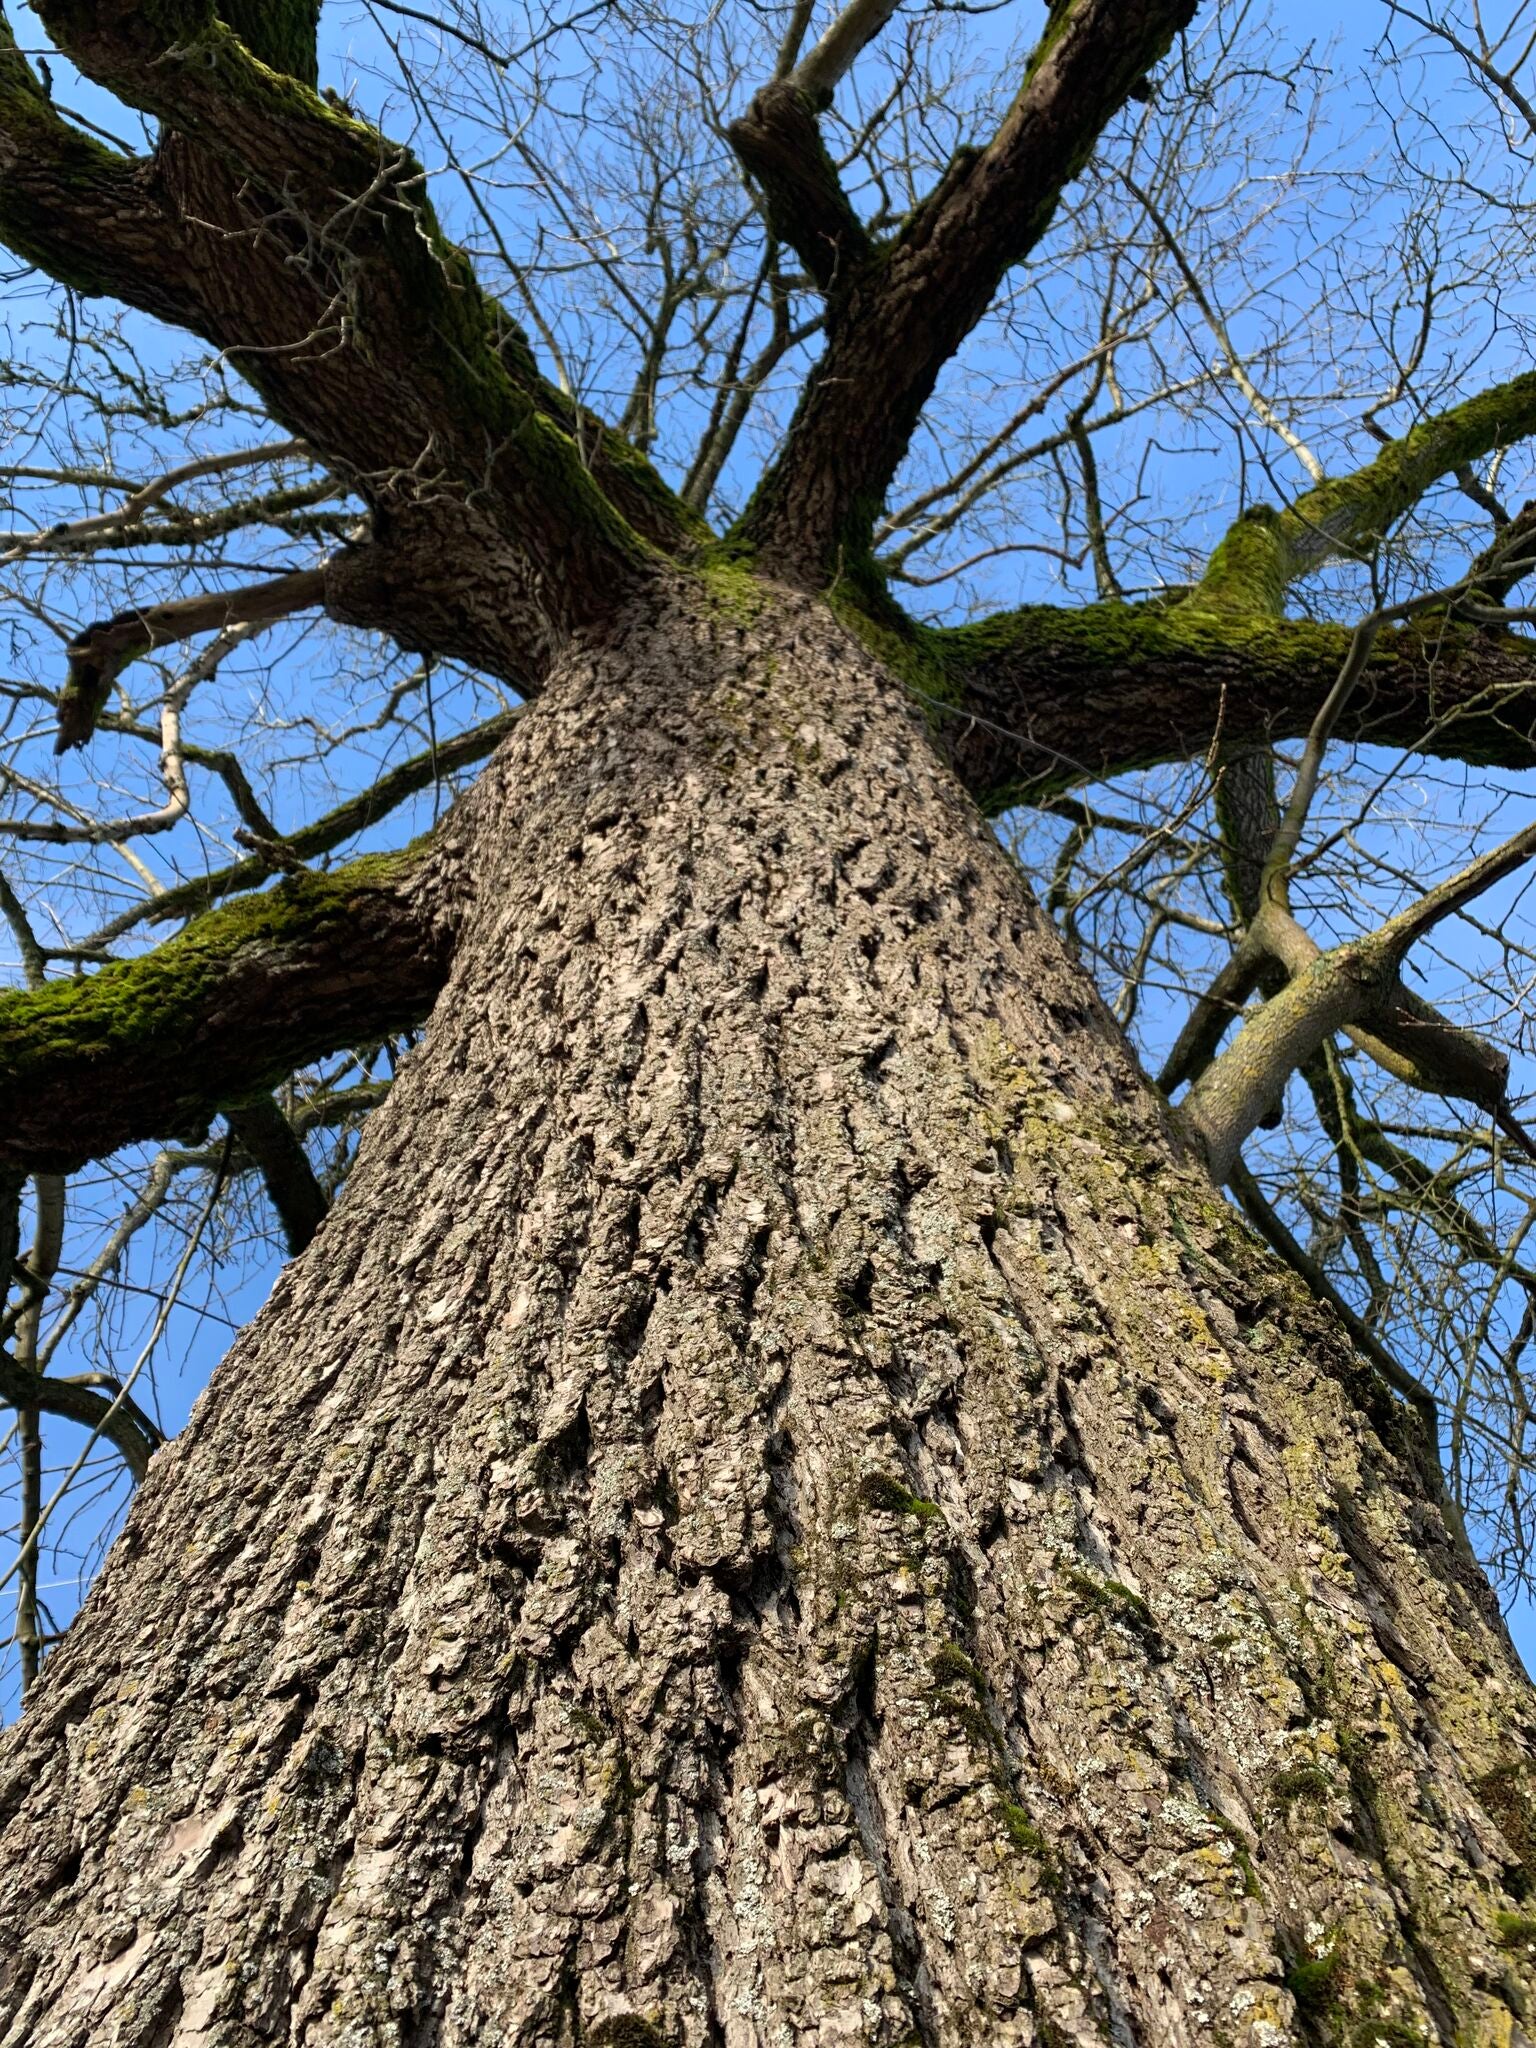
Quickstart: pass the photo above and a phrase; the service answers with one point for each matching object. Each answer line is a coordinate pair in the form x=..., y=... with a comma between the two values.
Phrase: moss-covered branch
x=362, y=326
x=1037, y=701
x=151, y=1048
x=1267, y=551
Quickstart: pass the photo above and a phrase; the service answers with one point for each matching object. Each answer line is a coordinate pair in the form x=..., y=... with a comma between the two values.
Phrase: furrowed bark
x=781, y=1509
x=812, y=516
x=151, y=1048
x=779, y=142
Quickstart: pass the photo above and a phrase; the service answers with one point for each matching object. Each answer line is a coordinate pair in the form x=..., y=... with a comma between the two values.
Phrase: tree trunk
x=780, y=1508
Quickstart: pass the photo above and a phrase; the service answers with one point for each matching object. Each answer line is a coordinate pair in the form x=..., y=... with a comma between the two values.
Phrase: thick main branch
x=1036, y=701
x=152, y=1048
x=894, y=325
x=301, y=242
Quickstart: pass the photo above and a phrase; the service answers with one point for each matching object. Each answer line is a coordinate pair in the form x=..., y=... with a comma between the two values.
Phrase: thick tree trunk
x=779, y=1509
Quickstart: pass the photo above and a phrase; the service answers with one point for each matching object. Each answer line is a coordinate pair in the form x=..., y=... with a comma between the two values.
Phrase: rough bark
x=780, y=1507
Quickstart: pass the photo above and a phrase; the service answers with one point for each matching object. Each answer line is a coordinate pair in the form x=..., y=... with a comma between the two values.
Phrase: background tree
x=780, y=1506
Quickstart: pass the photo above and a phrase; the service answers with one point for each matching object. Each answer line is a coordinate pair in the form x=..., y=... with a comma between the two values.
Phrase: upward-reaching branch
x=1267, y=551
x=815, y=510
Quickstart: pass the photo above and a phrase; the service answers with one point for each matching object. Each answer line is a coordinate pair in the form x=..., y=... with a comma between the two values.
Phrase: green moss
x=1242, y=1852
x=1277, y=658
x=951, y=1666
x=1024, y=1834
x=913, y=653
x=1516, y=1930
x=888, y=1496
x=1265, y=550
x=1109, y=1597
x=1377, y=2030
x=1313, y=1983
x=944, y=663
x=158, y=1003
x=628, y=2030
x=280, y=32
x=1250, y=571
x=591, y=1727
x=1060, y=14
x=1305, y=1784
x=726, y=579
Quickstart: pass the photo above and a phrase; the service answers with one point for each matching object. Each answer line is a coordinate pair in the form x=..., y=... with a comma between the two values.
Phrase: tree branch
x=121, y=1421
x=360, y=324
x=779, y=144
x=1353, y=985
x=1266, y=551
x=814, y=513
x=272, y=1145
x=154, y=1047
x=98, y=656
x=80, y=211
x=1037, y=701
x=326, y=833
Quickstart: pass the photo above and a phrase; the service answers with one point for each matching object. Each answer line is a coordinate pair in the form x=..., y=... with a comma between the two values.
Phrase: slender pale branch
x=327, y=832
x=823, y=68
x=1353, y=985
x=1260, y=406
x=98, y=656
